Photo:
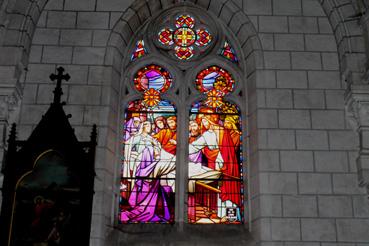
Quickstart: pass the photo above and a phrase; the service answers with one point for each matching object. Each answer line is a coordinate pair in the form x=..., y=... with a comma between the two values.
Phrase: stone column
x=357, y=111
x=357, y=104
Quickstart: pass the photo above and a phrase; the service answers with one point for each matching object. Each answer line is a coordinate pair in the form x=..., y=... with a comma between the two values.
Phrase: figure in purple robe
x=147, y=192
x=131, y=128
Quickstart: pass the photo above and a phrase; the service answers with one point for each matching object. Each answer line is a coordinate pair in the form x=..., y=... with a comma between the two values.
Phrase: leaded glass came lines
x=147, y=187
x=139, y=51
x=215, y=188
x=228, y=52
x=184, y=37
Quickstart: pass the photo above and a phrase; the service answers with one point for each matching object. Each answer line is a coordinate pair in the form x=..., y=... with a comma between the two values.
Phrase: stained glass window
x=149, y=137
x=215, y=187
x=184, y=37
x=228, y=52
x=139, y=50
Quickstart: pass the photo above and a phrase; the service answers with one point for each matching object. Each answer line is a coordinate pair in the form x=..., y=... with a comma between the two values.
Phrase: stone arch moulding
x=233, y=17
x=349, y=25
x=120, y=43
x=20, y=18
x=18, y=22
x=345, y=21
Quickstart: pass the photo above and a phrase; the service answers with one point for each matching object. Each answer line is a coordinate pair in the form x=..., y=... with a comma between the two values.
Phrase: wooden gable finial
x=59, y=77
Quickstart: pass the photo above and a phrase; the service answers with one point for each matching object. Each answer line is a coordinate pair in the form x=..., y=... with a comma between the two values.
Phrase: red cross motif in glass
x=184, y=37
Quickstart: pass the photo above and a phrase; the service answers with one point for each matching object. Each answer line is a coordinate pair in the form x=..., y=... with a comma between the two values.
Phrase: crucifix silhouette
x=59, y=77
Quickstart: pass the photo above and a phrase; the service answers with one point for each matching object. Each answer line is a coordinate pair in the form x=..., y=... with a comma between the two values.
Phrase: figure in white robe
x=150, y=163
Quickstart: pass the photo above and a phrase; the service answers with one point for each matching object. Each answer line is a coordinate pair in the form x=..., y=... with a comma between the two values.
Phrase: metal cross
x=59, y=77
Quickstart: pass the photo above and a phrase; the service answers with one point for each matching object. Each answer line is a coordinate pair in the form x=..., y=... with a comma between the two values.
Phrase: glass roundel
x=185, y=21
x=214, y=81
x=203, y=37
x=184, y=53
x=184, y=37
x=165, y=36
x=152, y=79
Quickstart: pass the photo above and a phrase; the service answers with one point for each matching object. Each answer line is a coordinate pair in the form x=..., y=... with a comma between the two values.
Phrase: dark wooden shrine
x=48, y=182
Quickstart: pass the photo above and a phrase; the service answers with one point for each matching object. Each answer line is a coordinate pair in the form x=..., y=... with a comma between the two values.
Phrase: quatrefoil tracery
x=184, y=37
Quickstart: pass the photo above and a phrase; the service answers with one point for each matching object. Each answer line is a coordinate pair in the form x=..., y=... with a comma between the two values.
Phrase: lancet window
x=215, y=187
x=149, y=156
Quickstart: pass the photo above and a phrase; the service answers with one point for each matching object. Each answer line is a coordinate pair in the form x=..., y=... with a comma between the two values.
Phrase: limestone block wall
x=309, y=193
x=302, y=158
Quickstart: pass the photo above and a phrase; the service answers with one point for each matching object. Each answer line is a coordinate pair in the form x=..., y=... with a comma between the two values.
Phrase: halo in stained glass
x=184, y=53
x=166, y=36
x=214, y=78
x=152, y=77
x=203, y=37
x=185, y=21
x=228, y=52
x=184, y=37
x=139, y=51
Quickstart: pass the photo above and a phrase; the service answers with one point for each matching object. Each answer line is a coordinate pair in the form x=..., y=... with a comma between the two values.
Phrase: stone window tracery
x=184, y=37
x=185, y=69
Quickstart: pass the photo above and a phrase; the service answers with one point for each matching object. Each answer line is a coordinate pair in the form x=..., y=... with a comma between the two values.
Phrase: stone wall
x=300, y=55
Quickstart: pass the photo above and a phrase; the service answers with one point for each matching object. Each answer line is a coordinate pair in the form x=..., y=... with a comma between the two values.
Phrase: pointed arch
x=242, y=33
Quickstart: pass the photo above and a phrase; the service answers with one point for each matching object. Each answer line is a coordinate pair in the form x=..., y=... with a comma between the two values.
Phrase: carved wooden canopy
x=48, y=181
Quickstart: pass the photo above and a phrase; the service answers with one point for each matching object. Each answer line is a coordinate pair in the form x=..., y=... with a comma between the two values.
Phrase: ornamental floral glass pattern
x=147, y=186
x=152, y=76
x=215, y=187
x=184, y=37
x=139, y=51
x=228, y=52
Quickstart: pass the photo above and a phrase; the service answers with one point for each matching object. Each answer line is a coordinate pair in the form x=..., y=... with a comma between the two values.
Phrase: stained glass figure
x=228, y=52
x=215, y=187
x=139, y=51
x=184, y=37
x=148, y=172
x=150, y=138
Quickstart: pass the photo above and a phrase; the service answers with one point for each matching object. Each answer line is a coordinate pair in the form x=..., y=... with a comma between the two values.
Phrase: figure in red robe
x=231, y=185
x=168, y=137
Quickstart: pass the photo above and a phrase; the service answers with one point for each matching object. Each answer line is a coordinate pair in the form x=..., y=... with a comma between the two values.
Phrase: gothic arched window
x=182, y=148
x=215, y=186
x=149, y=154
